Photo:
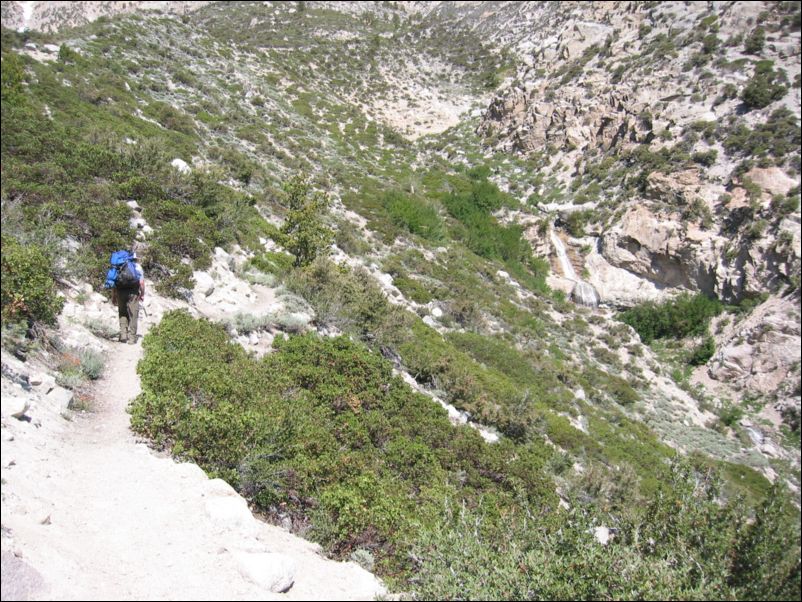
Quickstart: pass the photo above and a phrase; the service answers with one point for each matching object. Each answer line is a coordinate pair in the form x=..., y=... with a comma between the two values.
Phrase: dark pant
x=128, y=306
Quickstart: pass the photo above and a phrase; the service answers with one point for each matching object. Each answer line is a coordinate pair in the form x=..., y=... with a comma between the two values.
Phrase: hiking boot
x=122, y=340
x=132, y=342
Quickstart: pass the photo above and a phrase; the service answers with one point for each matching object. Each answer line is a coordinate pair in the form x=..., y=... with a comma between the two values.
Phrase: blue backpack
x=121, y=274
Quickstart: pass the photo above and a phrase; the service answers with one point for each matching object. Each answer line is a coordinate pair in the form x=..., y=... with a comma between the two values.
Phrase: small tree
x=765, y=87
x=28, y=289
x=754, y=43
x=305, y=234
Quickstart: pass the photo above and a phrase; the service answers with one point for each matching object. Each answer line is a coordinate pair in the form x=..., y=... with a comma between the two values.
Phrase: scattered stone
x=60, y=398
x=180, y=165
x=229, y=512
x=274, y=572
x=14, y=406
x=603, y=535
x=204, y=284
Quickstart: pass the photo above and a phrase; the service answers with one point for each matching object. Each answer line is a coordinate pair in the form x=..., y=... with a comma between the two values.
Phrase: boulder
x=14, y=405
x=603, y=535
x=204, y=284
x=60, y=398
x=219, y=488
x=229, y=511
x=42, y=381
x=772, y=180
x=180, y=165
x=271, y=571
x=20, y=580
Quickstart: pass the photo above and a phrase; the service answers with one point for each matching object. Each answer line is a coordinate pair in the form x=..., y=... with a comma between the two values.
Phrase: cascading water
x=583, y=292
x=27, y=14
x=565, y=263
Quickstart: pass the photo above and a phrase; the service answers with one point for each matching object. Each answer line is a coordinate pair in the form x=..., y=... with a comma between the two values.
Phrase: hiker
x=127, y=300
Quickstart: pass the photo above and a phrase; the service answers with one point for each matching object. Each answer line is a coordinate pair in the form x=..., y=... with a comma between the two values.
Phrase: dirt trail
x=99, y=516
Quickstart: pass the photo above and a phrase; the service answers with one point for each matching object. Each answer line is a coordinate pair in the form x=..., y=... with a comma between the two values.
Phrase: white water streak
x=565, y=263
x=27, y=15
x=583, y=292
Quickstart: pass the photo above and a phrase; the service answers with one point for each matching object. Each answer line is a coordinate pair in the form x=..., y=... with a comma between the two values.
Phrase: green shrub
x=706, y=158
x=777, y=137
x=412, y=289
x=272, y=263
x=92, y=363
x=672, y=548
x=320, y=428
x=682, y=316
x=703, y=352
x=576, y=221
x=765, y=87
x=305, y=234
x=414, y=216
x=730, y=414
x=28, y=285
x=755, y=40
x=171, y=118
x=482, y=233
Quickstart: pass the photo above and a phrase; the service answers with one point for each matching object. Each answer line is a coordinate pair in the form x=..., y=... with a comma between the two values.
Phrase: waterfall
x=565, y=263
x=27, y=14
x=583, y=292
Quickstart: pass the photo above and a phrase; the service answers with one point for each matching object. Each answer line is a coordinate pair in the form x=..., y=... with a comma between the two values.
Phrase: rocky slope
x=53, y=16
x=623, y=123
x=632, y=77
x=619, y=84
x=637, y=160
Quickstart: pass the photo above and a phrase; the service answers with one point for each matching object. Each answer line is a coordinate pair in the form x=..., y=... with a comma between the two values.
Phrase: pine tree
x=305, y=234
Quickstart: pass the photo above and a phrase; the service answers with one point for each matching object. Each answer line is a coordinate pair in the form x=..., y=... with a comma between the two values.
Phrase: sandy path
x=101, y=517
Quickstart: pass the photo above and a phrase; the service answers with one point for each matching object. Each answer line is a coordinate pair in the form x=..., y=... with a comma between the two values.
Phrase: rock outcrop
x=761, y=354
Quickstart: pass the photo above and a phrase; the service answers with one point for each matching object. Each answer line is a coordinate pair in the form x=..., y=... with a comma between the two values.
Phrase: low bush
x=685, y=315
x=777, y=137
x=28, y=285
x=701, y=354
x=414, y=216
x=682, y=544
x=765, y=87
x=321, y=429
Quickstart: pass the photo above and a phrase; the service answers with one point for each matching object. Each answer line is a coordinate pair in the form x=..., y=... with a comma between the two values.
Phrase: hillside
x=576, y=227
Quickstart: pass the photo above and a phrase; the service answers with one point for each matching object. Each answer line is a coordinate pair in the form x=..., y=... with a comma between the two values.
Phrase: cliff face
x=664, y=92
x=672, y=129
x=55, y=16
